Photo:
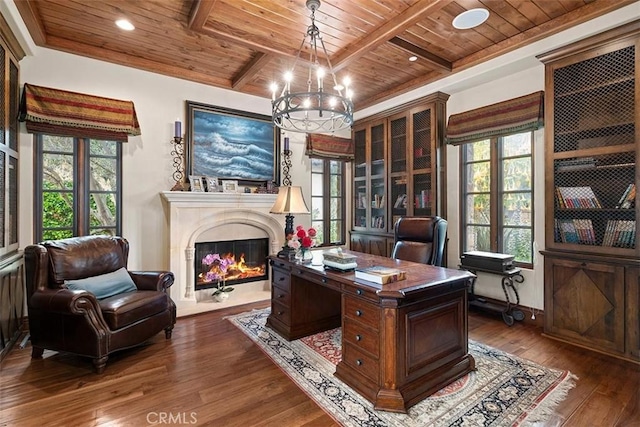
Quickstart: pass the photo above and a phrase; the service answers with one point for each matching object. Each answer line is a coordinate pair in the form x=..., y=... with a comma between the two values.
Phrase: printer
x=489, y=261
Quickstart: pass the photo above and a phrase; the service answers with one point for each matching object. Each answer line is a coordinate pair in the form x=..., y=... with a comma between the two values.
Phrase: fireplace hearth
x=230, y=262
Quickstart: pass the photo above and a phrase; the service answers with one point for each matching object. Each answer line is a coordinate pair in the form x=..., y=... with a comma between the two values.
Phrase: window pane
x=478, y=238
x=316, y=184
x=478, y=177
x=317, y=204
x=57, y=172
x=336, y=231
x=480, y=150
x=335, y=185
x=517, y=242
x=317, y=166
x=103, y=174
x=335, y=207
x=516, y=145
x=107, y=231
x=102, y=148
x=516, y=174
x=56, y=234
x=102, y=209
x=57, y=209
x=478, y=209
x=517, y=209
x=335, y=166
x=60, y=144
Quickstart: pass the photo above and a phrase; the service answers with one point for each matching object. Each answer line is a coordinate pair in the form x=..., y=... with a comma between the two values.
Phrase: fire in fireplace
x=231, y=261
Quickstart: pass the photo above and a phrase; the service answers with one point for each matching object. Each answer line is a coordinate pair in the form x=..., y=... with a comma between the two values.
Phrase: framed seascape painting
x=231, y=144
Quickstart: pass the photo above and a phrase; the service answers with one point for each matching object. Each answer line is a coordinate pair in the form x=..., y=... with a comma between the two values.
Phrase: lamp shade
x=289, y=201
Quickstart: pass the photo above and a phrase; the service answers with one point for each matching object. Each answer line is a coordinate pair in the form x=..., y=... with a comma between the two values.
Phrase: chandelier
x=319, y=110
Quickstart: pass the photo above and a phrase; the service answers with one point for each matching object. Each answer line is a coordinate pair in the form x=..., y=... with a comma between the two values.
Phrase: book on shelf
x=578, y=231
x=577, y=198
x=401, y=201
x=575, y=164
x=628, y=198
x=620, y=234
x=379, y=274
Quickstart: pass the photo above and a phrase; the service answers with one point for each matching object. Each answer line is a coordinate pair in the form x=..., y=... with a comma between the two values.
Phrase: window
x=497, y=194
x=327, y=201
x=78, y=187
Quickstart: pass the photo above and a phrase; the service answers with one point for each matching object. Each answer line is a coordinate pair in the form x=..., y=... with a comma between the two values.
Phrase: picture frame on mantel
x=231, y=144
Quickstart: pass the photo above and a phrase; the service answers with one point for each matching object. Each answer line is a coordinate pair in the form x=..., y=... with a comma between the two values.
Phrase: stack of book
x=379, y=274
x=577, y=197
x=620, y=234
x=575, y=231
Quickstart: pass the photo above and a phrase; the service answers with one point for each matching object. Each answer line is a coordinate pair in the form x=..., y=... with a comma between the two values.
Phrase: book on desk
x=379, y=274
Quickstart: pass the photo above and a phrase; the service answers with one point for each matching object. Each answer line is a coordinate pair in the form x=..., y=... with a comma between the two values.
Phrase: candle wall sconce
x=286, y=163
x=178, y=158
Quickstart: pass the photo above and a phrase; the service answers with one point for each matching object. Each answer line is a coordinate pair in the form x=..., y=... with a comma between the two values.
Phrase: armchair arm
x=64, y=301
x=152, y=280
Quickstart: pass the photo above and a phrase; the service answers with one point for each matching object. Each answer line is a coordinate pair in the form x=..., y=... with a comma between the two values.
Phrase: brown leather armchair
x=420, y=239
x=76, y=321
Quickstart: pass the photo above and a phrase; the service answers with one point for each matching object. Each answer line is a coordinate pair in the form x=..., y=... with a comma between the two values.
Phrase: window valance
x=59, y=112
x=329, y=147
x=515, y=115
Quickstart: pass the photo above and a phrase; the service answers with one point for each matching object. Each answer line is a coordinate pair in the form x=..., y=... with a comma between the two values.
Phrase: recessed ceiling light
x=413, y=58
x=471, y=18
x=125, y=25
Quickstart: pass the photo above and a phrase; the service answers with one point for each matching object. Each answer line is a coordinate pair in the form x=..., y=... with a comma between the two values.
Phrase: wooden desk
x=401, y=342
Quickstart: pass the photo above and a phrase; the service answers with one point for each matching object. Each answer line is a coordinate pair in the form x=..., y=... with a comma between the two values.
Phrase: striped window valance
x=329, y=147
x=59, y=112
x=515, y=115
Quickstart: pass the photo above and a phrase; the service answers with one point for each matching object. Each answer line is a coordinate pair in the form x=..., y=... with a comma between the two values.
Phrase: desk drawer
x=281, y=312
x=362, y=311
x=280, y=295
x=281, y=279
x=316, y=278
x=361, y=337
x=360, y=362
x=362, y=292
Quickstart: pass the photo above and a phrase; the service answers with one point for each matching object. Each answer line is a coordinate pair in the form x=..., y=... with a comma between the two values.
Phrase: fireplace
x=230, y=261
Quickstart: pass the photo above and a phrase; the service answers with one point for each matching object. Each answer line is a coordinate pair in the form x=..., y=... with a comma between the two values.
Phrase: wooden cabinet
x=592, y=140
x=395, y=170
x=12, y=301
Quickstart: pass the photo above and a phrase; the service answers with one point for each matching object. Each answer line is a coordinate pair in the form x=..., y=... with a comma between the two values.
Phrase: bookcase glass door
x=594, y=160
x=378, y=177
x=360, y=183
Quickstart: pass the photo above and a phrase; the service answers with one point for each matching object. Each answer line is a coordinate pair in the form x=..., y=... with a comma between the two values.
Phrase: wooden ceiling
x=244, y=45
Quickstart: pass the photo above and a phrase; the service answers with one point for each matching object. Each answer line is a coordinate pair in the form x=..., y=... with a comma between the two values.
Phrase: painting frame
x=255, y=157
x=229, y=186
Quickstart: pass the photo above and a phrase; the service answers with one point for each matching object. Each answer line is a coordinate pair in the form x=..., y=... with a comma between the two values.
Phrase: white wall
x=160, y=100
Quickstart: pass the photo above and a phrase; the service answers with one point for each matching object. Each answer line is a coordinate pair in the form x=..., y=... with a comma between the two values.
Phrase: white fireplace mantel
x=190, y=214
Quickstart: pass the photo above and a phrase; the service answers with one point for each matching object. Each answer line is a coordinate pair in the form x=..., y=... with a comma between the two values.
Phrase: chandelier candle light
x=319, y=110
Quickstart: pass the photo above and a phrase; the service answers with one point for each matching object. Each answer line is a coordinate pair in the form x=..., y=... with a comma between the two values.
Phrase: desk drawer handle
x=280, y=313
x=324, y=280
x=358, y=337
x=358, y=313
x=358, y=362
x=281, y=278
x=281, y=296
x=359, y=292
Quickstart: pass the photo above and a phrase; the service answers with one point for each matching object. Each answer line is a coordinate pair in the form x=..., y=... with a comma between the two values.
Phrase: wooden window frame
x=326, y=203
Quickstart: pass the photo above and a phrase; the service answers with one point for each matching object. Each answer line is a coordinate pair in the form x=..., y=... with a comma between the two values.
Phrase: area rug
x=504, y=390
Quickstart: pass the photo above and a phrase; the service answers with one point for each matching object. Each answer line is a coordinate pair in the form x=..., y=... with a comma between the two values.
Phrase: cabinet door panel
x=585, y=303
x=632, y=326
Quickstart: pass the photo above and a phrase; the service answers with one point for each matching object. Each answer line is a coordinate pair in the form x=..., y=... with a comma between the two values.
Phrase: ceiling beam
x=432, y=59
x=250, y=70
x=199, y=13
x=31, y=17
x=396, y=25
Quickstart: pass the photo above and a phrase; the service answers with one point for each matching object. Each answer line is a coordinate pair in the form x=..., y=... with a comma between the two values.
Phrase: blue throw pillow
x=104, y=285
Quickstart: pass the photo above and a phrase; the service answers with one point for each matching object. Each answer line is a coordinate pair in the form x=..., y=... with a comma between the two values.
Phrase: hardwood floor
x=211, y=374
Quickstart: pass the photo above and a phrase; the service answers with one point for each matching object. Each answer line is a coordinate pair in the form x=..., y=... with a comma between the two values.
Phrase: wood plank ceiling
x=244, y=45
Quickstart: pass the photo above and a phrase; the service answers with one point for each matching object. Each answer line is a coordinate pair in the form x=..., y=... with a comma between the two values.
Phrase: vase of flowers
x=302, y=241
x=217, y=267
x=222, y=292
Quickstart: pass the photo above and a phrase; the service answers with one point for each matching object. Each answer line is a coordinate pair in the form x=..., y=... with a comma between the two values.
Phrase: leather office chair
x=420, y=239
x=79, y=322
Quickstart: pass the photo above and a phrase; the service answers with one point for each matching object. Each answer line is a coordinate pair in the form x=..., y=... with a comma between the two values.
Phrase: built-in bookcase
x=592, y=142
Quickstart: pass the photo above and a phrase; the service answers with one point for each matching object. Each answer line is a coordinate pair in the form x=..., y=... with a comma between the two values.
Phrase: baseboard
x=538, y=314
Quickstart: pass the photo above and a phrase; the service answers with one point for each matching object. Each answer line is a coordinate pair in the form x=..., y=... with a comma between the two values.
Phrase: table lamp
x=289, y=202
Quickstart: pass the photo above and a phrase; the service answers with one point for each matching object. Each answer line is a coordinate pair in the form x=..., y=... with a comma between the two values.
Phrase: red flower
x=312, y=232
x=301, y=233
x=306, y=242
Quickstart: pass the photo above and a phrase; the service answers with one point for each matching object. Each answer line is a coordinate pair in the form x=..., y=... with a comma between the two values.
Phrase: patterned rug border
x=313, y=374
